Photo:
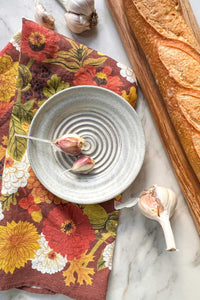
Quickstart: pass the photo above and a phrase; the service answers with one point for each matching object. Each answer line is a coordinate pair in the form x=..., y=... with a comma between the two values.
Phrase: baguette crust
x=173, y=54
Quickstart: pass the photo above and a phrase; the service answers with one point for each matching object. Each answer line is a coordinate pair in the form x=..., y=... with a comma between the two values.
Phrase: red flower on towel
x=28, y=203
x=68, y=231
x=39, y=42
x=90, y=76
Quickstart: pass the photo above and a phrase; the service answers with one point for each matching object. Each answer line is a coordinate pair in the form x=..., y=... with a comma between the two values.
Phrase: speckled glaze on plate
x=114, y=139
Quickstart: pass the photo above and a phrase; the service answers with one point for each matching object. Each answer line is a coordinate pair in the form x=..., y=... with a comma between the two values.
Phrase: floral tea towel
x=48, y=245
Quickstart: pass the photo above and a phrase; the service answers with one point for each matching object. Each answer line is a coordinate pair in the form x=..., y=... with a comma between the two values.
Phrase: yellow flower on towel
x=131, y=97
x=8, y=73
x=78, y=272
x=18, y=244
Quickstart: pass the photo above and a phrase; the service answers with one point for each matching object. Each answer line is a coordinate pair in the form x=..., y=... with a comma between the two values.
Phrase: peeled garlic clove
x=71, y=144
x=83, y=164
x=42, y=17
x=158, y=203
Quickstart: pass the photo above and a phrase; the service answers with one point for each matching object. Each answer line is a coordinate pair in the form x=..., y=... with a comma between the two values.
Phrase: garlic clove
x=83, y=164
x=76, y=23
x=151, y=207
x=158, y=203
x=71, y=144
x=80, y=15
x=42, y=17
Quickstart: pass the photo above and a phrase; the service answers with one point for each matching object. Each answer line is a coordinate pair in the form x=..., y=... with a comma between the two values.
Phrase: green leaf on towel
x=17, y=145
x=24, y=111
x=71, y=66
x=96, y=214
x=55, y=85
x=6, y=200
x=101, y=263
x=96, y=62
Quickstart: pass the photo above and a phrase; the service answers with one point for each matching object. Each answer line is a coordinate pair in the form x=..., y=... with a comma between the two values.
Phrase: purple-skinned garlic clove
x=71, y=144
x=83, y=164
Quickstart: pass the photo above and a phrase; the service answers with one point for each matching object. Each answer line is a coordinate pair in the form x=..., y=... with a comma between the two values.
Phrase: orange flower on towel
x=39, y=192
x=90, y=76
x=18, y=244
x=4, y=106
x=69, y=225
x=33, y=209
x=9, y=162
x=39, y=42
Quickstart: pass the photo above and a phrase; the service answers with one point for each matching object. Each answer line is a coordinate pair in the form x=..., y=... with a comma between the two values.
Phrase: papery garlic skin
x=71, y=144
x=81, y=15
x=167, y=198
x=158, y=203
x=81, y=7
x=42, y=17
x=77, y=23
x=83, y=164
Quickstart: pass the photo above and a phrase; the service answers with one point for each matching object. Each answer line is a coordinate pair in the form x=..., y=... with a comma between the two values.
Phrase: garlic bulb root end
x=93, y=19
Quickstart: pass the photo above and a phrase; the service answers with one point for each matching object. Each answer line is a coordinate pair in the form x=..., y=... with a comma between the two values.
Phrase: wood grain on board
x=187, y=179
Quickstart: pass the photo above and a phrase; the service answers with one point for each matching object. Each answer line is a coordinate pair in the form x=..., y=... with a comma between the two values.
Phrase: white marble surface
x=142, y=268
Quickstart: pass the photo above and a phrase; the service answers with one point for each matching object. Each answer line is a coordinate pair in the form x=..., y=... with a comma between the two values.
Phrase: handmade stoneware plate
x=114, y=139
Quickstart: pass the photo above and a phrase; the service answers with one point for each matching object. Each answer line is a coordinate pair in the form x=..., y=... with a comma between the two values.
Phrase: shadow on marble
x=15, y=294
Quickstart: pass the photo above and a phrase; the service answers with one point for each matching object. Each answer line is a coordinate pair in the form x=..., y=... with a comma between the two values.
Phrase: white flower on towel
x=127, y=72
x=15, y=174
x=16, y=41
x=47, y=260
x=1, y=212
x=108, y=255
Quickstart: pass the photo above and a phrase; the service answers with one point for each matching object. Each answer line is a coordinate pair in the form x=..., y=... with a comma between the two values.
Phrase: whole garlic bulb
x=158, y=203
x=81, y=15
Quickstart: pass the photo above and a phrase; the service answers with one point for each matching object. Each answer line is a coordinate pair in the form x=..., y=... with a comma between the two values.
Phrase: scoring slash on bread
x=173, y=54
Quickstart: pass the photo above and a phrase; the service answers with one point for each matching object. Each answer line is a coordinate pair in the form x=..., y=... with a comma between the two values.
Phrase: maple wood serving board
x=187, y=179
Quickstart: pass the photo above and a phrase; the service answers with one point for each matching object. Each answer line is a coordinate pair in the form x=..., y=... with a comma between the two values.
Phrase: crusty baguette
x=173, y=54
